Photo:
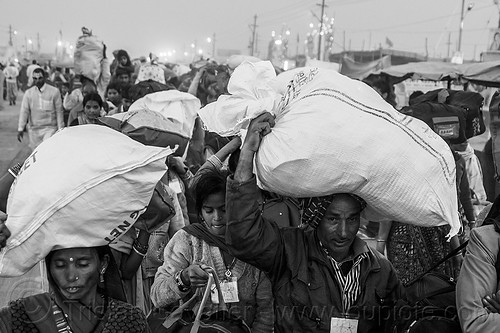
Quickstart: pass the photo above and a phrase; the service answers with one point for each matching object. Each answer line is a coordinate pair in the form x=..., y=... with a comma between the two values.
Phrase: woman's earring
x=101, y=276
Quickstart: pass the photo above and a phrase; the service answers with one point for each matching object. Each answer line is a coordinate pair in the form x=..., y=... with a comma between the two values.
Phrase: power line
x=408, y=24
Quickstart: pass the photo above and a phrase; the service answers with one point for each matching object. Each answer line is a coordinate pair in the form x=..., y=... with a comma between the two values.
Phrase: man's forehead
x=344, y=205
x=38, y=75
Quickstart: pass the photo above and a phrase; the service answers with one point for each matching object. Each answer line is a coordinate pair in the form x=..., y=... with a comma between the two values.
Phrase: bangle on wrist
x=380, y=240
x=142, y=254
x=187, y=175
x=180, y=284
x=140, y=247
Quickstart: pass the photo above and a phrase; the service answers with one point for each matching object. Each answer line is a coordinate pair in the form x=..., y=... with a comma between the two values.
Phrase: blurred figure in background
x=11, y=73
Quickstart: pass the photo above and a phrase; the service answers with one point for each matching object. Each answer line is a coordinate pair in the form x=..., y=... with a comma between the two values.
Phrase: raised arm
x=249, y=236
x=59, y=110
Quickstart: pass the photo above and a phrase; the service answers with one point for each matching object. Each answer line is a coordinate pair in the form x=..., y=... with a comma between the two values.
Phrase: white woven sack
x=88, y=56
x=334, y=134
x=84, y=186
x=178, y=107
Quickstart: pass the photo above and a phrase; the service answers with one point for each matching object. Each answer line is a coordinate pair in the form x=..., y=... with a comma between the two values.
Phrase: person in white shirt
x=11, y=73
x=41, y=111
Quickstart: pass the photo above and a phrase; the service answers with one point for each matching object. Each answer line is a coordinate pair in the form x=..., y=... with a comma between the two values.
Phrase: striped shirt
x=349, y=281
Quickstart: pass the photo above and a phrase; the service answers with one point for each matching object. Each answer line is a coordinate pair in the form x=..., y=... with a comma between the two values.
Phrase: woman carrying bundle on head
x=83, y=296
x=201, y=245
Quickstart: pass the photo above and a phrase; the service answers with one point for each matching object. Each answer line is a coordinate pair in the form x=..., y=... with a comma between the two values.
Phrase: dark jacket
x=306, y=291
x=478, y=278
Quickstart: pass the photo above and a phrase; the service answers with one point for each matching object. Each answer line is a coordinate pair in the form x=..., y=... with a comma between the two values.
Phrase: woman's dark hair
x=92, y=97
x=209, y=182
x=383, y=84
x=113, y=85
x=123, y=53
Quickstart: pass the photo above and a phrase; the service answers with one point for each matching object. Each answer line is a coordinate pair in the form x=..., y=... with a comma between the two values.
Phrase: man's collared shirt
x=41, y=107
x=348, y=277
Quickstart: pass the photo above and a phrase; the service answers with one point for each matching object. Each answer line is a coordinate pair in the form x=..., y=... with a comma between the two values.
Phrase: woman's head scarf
x=314, y=209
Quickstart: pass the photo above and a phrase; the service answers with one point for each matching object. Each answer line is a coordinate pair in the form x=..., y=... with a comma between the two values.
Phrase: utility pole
x=10, y=35
x=297, y=49
x=343, y=43
x=498, y=7
x=321, y=28
x=253, y=28
x=213, y=46
x=38, y=42
x=426, y=48
x=449, y=45
x=256, y=44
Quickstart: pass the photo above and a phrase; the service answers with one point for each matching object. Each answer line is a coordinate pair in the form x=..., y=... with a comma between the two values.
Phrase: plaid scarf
x=314, y=209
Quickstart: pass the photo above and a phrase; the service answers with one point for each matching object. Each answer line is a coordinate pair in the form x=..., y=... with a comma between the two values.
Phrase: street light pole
x=213, y=46
x=462, y=18
x=321, y=29
x=462, y=15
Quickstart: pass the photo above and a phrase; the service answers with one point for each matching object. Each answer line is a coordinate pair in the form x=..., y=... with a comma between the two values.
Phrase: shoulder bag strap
x=450, y=255
x=212, y=278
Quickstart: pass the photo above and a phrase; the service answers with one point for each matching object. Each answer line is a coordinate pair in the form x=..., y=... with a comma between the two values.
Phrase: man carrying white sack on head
x=324, y=277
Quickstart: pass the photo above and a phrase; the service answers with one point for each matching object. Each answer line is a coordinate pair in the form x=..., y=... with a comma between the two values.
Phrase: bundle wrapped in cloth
x=333, y=135
x=162, y=119
x=85, y=186
x=88, y=55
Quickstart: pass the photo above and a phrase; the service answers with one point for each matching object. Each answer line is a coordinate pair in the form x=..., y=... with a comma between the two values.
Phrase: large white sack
x=178, y=107
x=84, y=186
x=251, y=93
x=334, y=134
x=88, y=55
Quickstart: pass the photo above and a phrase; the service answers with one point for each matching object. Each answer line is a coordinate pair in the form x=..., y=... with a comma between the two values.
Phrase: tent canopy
x=485, y=73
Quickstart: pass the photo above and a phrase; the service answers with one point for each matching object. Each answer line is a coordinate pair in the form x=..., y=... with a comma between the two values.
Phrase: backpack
x=447, y=121
x=430, y=304
x=471, y=102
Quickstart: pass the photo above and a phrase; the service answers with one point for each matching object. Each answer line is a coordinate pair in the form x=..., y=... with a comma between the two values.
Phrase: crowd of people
x=285, y=264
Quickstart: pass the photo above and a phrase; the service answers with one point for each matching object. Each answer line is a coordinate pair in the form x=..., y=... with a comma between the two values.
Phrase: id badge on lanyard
x=343, y=325
x=229, y=290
